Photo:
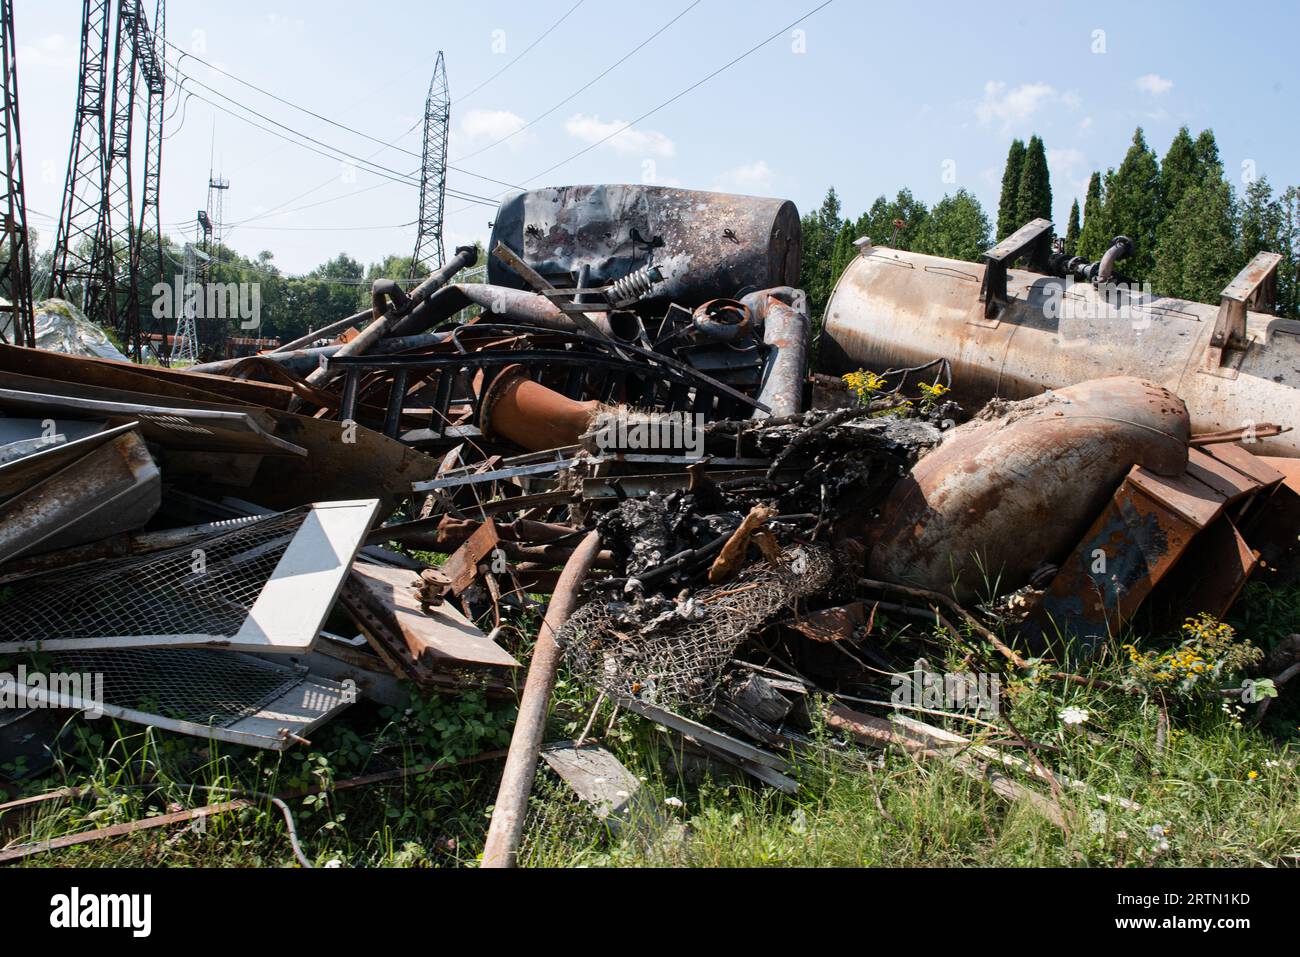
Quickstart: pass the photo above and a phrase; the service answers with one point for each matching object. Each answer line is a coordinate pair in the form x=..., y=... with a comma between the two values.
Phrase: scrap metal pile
x=627, y=424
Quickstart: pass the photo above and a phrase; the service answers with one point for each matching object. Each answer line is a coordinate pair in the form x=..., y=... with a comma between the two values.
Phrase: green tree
x=821, y=228
x=1034, y=194
x=1007, y=223
x=1072, y=230
x=1180, y=170
x=1133, y=205
x=956, y=227
x=1197, y=254
x=1288, y=273
x=843, y=252
x=878, y=222
x=1261, y=221
x=1093, y=238
x=1208, y=161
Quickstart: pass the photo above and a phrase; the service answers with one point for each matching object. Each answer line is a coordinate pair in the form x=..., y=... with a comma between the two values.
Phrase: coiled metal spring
x=634, y=285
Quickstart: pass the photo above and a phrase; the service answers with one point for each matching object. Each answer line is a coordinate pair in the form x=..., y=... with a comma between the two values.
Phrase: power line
x=368, y=166
x=522, y=54
x=696, y=85
x=673, y=98
x=397, y=179
x=279, y=211
x=586, y=86
x=289, y=277
x=331, y=228
x=290, y=103
x=376, y=167
x=385, y=144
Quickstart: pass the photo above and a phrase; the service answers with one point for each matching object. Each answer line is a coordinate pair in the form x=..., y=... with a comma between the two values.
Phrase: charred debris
x=628, y=437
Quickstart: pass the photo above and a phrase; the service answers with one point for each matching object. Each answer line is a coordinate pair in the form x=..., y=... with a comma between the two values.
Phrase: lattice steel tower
x=153, y=71
x=116, y=295
x=77, y=237
x=212, y=232
x=187, y=328
x=433, y=172
x=16, y=272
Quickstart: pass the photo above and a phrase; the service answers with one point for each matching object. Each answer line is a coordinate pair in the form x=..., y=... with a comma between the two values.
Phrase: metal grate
x=213, y=688
x=676, y=660
x=205, y=589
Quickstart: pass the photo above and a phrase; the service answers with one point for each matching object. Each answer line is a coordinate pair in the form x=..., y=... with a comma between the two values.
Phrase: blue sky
x=869, y=98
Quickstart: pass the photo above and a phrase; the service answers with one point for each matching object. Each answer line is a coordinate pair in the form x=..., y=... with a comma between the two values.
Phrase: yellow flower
x=1252, y=775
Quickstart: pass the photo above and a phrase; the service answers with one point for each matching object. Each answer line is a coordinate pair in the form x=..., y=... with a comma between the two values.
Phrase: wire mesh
x=677, y=660
x=212, y=688
x=204, y=588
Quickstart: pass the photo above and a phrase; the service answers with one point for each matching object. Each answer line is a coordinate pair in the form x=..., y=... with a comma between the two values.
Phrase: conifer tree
x=1034, y=194
x=1093, y=237
x=1010, y=189
x=1133, y=206
x=1072, y=230
x=957, y=227
x=1181, y=169
x=1197, y=255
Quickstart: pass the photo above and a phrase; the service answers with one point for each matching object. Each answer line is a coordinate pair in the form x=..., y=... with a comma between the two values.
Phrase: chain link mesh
x=206, y=588
x=677, y=660
x=211, y=688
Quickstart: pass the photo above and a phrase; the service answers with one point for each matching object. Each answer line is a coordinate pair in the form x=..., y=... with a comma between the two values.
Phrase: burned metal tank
x=704, y=245
x=1235, y=367
x=1015, y=488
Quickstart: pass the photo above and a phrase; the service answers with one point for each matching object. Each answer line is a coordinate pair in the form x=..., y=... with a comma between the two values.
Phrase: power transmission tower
x=202, y=268
x=217, y=187
x=76, y=239
x=153, y=71
x=187, y=329
x=118, y=300
x=16, y=273
x=433, y=172
x=213, y=330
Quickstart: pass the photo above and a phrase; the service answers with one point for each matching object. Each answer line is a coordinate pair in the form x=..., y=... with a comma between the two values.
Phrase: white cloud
x=488, y=126
x=1070, y=167
x=54, y=50
x=592, y=129
x=1066, y=159
x=1154, y=83
x=1013, y=106
x=281, y=22
x=755, y=177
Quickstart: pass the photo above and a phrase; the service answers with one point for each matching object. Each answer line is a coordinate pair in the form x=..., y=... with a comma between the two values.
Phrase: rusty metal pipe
x=1121, y=247
x=785, y=332
x=502, y=302
x=333, y=329
x=464, y=257
x=302, y=361
x=384, y=320
x=507, y=825
x=531, y=415
x=382, y=290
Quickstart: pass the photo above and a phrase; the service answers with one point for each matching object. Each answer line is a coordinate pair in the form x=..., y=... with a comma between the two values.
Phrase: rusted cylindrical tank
x=705, y=245
x=1017, y=487
x=895, y=309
